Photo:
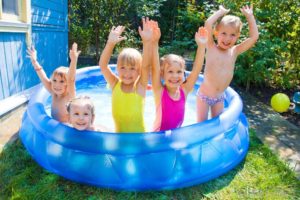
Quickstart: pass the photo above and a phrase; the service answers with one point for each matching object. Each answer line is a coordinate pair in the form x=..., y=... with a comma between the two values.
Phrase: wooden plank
x=57, y=43
x=15, y=57
x=3, y=68
x=20, y=47
x=9, y=63
x=52, y=5
x=1, y=86
x=46, y=20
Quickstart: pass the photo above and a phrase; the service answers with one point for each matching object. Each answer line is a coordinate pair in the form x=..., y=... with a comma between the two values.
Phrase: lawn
x=260, y=176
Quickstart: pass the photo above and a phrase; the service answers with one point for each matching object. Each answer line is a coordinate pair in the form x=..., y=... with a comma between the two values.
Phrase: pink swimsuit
x=172, y=111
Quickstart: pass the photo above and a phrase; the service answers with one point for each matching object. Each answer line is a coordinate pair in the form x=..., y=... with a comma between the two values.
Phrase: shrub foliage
x=273, y=61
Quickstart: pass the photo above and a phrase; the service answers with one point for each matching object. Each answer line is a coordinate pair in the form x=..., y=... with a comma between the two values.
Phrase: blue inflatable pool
x=151, y=161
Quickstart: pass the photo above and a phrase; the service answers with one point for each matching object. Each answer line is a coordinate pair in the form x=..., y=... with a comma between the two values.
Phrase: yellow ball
x=280, y=102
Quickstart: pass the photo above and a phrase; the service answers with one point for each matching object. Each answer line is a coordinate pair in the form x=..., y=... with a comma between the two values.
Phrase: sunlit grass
x=260, y=176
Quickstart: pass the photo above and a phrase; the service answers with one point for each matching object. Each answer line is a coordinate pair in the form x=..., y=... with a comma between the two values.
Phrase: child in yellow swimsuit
x=129, y=87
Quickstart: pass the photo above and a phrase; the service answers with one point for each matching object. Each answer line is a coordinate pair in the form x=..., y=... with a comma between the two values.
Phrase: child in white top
x=61, y=85
x=221, y=57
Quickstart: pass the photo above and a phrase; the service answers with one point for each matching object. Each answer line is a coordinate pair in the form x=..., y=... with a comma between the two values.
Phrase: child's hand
x=247, y=11
x=73, y=52
x=147, y=32
x=32, y=54
x=115, y=35
x=156, y=31
x=223, y=10
x=201, y=36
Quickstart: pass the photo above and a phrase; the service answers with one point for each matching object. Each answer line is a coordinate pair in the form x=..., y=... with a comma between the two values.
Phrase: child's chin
x=81, y=128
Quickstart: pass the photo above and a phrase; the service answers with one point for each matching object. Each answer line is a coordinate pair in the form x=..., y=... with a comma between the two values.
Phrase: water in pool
x=101, y=96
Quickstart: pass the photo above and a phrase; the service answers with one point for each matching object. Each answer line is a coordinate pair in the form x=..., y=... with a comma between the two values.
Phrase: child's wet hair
x=130, y=57
x=60, y=71
x=230, y=20
x=87, y=100
x=170, y=59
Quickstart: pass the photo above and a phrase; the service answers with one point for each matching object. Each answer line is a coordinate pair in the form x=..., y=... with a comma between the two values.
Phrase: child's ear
x=161, y=73
x=93, y=119
x=215, y=33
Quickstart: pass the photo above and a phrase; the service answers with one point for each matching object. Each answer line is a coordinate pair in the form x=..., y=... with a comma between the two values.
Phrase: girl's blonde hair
x=130, y=57
x=230, y=20
x=60, y=71
x=86, y=99
x=171, y=59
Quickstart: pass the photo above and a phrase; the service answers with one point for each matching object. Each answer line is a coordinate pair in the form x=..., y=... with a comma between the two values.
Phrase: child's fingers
x=202, y=31
x=121, y=28
x=201, y=35
x=121, y=38
x=74, y=46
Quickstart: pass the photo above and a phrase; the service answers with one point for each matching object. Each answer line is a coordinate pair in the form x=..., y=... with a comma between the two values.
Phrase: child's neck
x=221, y=49
x=174, y=93
x=60, y=96
x=127, y=88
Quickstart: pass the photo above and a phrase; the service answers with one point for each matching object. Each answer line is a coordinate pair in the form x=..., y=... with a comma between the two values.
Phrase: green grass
x=260, y=176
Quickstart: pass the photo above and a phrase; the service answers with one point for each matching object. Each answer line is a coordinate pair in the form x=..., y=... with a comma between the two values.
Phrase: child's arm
x=211, y=21
x=253, y=31
x=113, y=38
x=32, y=54
x=72, y=70
x=146, y=34
x=156, y=83
x=201, y=39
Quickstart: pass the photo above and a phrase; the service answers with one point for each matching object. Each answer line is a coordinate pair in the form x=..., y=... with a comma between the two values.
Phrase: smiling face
x=227, y=32
x=59, y=81
x=129, y=65
x=227, y=36
x=59, y=85
x=81, y=115
x=173, y=68
x=128, y=74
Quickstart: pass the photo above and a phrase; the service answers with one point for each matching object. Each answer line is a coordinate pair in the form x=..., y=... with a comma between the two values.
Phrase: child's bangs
x=130, y=57
x=60, y=71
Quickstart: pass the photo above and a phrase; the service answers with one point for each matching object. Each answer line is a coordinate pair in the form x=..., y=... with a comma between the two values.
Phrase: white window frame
x=17, y=23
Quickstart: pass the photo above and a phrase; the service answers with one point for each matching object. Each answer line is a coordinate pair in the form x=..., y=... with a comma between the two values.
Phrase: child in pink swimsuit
x=170, y=98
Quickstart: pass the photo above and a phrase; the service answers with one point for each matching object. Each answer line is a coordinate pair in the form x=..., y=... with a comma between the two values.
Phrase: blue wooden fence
x=50, y=38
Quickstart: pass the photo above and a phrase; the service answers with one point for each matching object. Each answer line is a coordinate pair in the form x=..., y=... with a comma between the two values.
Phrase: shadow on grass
x=22, y=177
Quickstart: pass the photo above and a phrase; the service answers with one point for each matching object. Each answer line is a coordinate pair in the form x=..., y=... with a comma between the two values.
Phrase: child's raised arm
x=253, y=30
x=32, y=54
x=201, y=39
x=146, y=34
x=211, y=21
x=72, y=70
x=156, y=83
x=113, y=38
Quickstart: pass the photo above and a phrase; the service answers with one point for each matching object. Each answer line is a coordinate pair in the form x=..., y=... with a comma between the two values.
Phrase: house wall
x=50, y=38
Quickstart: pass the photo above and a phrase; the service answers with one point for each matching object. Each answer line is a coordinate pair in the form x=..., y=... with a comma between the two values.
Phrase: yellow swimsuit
x=127, y=110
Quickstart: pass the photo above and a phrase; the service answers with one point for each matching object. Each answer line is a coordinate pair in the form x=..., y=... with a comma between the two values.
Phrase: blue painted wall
x=50, y=38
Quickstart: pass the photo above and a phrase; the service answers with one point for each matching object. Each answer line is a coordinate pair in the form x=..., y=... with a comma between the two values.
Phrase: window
x=10, y=7
x=15, y=16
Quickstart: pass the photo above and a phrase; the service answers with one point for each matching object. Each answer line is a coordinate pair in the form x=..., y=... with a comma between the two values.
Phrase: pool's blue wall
x=50, y=37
